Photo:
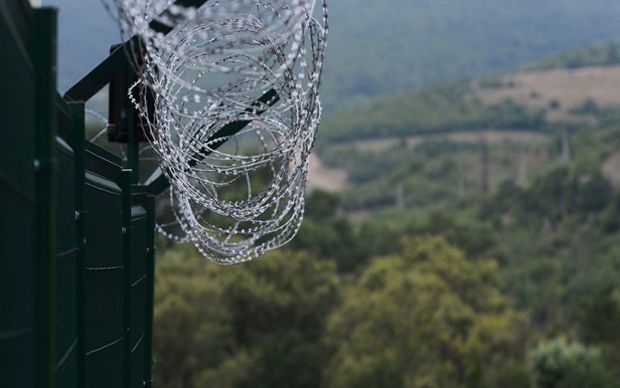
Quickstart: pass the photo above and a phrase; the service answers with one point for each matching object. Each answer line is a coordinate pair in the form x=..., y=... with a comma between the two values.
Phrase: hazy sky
x=86, y=33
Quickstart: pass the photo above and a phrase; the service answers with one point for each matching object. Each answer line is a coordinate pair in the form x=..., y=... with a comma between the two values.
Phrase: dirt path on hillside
x=491, y=136
x=569, y=87
x=325, y=178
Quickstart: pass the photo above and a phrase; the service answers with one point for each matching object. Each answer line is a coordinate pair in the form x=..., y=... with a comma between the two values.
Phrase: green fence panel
x=44, y=53
x=17, y=196
x=77, y=252
x=68, y=253
x=104, y=292
x=138, y=280
x=148, y=201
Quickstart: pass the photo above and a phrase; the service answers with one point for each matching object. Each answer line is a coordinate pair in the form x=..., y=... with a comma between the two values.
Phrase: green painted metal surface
x=78, y=232
x=76, y=112
x=17, y=196
x=44, y=54
x=67, y=270
x=103, y=291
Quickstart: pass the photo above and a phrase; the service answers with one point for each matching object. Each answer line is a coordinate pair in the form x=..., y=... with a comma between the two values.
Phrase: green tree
x=560, y=364
x=425, y=317
x=256, y=325
x=322, y=205
x=599, y=322
x=328, y=234
x=191, y=320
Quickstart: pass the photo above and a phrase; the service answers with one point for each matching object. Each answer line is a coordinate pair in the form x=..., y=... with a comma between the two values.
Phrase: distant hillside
x=456, y=141
x=384, y=47
x=379, y=48
x=565, y=94
x=439, y=109
x=606, y=54
x=531, y=100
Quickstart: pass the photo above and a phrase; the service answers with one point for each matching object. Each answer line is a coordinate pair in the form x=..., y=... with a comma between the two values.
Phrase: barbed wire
x=230, y=99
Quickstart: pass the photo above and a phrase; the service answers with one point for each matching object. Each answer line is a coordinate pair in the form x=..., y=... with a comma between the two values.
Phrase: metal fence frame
x=77, y=252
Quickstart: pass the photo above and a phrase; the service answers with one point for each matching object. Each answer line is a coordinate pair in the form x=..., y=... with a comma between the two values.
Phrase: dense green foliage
x=254, y=326
x=281, y=322
x=446, y=108
x=559, y=364
x=423, y=317
x=356, y=305
x=456, y=257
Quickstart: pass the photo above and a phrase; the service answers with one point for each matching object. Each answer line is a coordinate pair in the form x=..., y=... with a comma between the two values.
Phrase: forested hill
x=383, y=47
x=605, y=54
x=520, y=114
x=566, y=89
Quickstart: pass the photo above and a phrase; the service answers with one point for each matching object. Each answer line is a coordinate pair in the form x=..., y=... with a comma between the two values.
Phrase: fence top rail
x=118, y=61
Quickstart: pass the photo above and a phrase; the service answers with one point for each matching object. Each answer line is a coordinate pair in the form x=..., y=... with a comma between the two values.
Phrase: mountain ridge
x=377, y=49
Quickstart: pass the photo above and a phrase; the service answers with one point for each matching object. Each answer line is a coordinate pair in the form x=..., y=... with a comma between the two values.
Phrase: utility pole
x=566, y=149
x=522, y=173
x=400, y=197
x=461, y=181
x=484, y=162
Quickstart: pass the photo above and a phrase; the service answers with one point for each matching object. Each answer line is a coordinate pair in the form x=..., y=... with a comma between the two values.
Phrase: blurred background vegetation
x=472, y=239
x=463, y=215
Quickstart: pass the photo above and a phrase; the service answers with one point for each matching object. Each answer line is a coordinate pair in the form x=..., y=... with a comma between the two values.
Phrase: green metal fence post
x=150, y=288
x=44, y=54
x=126, y=177
x=77, y=138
